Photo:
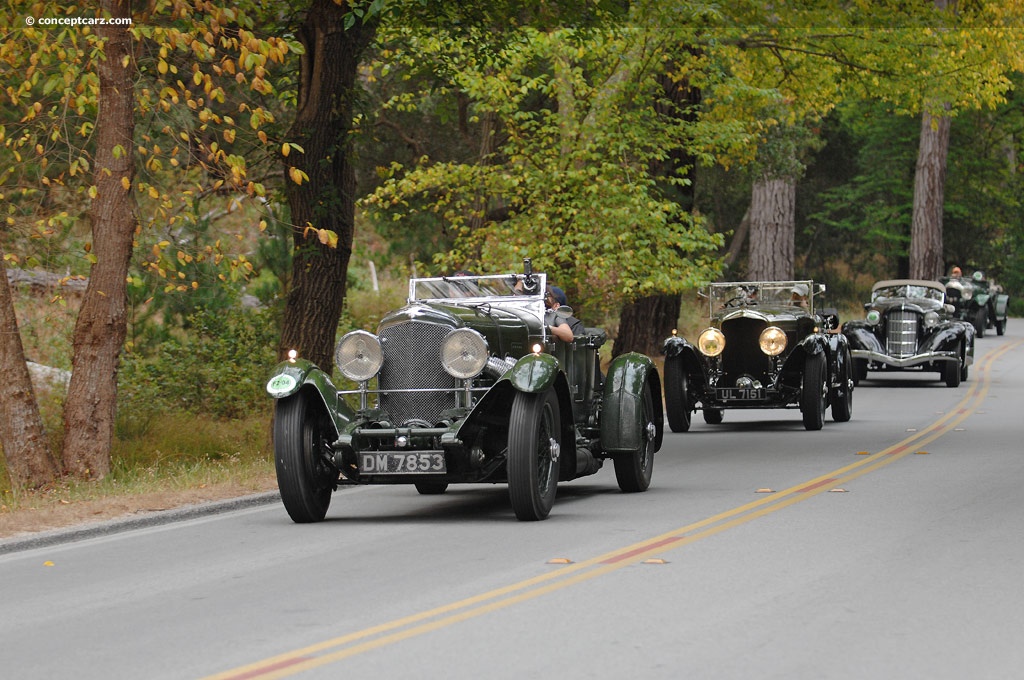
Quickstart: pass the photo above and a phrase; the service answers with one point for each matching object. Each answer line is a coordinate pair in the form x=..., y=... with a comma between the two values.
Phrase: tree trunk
x=645, y=323
x=22, y=435
x=101, y=325
x=322, y=127
x=929, y=189
x=772, y=230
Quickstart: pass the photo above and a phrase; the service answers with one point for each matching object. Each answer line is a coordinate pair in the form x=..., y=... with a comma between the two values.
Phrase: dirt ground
x=57, y=514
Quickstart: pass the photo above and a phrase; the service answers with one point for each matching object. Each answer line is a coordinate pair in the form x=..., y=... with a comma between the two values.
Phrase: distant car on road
x=979, y=300
x=767, y=347
x=910, y=326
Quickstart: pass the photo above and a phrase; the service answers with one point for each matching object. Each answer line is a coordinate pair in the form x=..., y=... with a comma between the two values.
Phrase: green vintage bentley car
x=768, y=346
x=978, y=300
x=465, y=384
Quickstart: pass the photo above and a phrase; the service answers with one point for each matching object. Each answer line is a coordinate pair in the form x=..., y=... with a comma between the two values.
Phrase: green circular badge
x=281, y=384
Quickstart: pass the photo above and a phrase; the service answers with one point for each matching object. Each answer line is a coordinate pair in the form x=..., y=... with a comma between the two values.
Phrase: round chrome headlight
x=464, y=353
x=358, y=355
x=873, y=317
x=930, y=319
x=772, y=341
x=711, y=342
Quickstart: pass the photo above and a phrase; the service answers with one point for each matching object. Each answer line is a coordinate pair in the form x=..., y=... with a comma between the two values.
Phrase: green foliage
x=218, y=368
x=569, y=183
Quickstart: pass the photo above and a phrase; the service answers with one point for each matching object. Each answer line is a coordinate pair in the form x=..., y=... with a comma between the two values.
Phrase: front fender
x=861, y=337
x=622, y=411
x=534, y=373
x=289, y=377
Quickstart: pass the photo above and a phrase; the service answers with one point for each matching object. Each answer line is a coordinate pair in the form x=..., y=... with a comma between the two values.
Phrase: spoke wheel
x=534, y=444
x=633, y=470
x=677, y=403
x=842, y=396
x=812, y=395
x=302, y=437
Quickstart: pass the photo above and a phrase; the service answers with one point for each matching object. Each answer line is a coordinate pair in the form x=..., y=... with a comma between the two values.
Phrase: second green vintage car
x=978, y=300
x=465, y=384
x=768, y=346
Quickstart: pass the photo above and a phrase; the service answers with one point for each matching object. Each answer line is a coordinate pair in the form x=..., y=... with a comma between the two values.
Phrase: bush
x=218, y=368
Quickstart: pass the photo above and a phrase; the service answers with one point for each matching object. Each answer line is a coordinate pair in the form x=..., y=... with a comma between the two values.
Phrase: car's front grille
x=412, y=361
x=742, y=355
x=901, y=333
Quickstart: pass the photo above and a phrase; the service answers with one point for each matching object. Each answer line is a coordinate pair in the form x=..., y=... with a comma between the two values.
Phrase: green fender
x=622, y=410
x=289, y=377
x=534, y=373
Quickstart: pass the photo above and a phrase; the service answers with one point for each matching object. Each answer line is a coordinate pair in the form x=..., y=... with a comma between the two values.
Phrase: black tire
x=980, y=321
x=952, y=370
x=812, y=394
x=860, y=371
x=1000, y=327
x=302, y=437
x=964, y=371
x=633, y=470
x=713, y=416
x=842, y=396
x=677, y=403
x=535, y=424
x=431, y=488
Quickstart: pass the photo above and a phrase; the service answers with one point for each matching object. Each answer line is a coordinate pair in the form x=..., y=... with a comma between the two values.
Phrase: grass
x=177, y=452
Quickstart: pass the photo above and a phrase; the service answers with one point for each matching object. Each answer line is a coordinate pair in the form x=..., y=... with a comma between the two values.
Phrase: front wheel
x=302, y=437
x=980, y=321
x=860, y=371
x=812, y=395
x=677, y=404
x=1001, y=327
x=534, y=444
x=842, y=396
x=952, y=371
x=633, y=470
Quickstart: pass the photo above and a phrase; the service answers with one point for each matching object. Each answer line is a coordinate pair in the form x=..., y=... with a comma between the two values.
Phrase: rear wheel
x=677, y=403
x=633, y=470
x=713, y=416
x=812, y=395
x=431, y=488
x=842, y=395
x=534, y=444
x=302, y=437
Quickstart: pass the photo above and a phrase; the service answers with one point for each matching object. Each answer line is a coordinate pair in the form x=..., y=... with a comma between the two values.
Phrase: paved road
x=886, y=547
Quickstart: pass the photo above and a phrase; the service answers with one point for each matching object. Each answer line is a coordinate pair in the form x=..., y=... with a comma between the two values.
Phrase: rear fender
x=289, y=377
x=622, y=410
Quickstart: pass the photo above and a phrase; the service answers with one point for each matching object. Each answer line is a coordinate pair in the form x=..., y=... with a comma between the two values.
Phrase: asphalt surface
x=885, y=547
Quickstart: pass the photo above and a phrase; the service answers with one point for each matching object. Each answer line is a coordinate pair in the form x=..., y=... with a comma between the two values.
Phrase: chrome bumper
x=904, y=362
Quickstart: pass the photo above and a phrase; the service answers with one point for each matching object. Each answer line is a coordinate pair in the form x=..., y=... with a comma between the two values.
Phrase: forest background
x=191, y=188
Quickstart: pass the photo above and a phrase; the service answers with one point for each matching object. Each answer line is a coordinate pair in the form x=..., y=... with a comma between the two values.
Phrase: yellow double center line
x=336, y=649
